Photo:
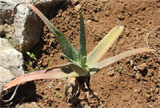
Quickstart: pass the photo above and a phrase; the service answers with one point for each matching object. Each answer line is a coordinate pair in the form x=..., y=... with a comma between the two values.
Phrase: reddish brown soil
x=131, y=83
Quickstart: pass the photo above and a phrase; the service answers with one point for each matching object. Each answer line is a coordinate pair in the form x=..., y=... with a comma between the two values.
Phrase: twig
x=8, y=100
x=14, y=9
x=147, y=40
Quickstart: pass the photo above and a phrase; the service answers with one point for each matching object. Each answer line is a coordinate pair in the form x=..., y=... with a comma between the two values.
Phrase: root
x=72, y=90
x=147, y=41
x=74, y=86
x=8, y=100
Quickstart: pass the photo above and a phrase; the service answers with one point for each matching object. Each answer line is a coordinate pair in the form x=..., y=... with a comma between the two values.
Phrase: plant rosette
x=80, y=66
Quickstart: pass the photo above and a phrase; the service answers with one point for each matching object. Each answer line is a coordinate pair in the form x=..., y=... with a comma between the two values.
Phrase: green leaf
x=57, y=73
x=46, y=97
x=120, y=69
x=41, y=68
x=76, y=68
x=82, y=45
x=82, y=61
x=68, y=58
x=30, y=63
x=66, y=46
x=33, y=56
x=97, y=53
x=26, y=71
x=58, y=95
x=28, y=53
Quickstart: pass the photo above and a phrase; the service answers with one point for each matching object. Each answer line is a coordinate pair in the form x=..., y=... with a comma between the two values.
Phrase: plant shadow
x=24, y=94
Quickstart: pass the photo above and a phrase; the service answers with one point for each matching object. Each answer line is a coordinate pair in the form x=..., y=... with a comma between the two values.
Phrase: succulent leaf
x=82, y=45
x=66, y=46
x=57, y=73
x=76, y=68
x=120, y=56
x=97, y=53
x=69, y=59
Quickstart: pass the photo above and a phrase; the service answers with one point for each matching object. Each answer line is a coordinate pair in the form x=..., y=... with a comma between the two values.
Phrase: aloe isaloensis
x=80, y=64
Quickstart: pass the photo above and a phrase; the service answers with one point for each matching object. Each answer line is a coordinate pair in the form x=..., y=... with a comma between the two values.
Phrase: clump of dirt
x=133, y=82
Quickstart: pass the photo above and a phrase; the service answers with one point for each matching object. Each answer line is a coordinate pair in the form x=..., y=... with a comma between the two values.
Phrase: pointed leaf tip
x=97, y=53
x=120, y=27
x=66, y=46
x=120, y=56
x=82, y=44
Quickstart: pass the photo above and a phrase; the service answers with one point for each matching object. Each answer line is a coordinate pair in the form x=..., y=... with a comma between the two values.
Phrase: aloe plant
x=80, y=66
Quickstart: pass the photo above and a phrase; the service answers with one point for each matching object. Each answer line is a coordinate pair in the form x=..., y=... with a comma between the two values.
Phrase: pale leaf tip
x=152, y=50
x=148, y=49
x=120, y=27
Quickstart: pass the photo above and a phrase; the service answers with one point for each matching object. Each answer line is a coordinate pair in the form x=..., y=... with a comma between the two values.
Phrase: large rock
x=11, y=62
x=25, y=28
x=5, y=75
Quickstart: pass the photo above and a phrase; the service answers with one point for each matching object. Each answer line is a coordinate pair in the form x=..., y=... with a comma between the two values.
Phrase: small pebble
x=77, y=7
x=131, y=62
x=156, y=90
x=138, y=76
x=137, y=89
x=88, y=21
x=110, y=73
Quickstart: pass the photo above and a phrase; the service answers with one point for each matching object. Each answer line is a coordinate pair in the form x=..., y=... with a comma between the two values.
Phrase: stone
x=138, y=76
x=4, y=44
x=157, y=90
x=111, y=73
x=77, y=7
x=11, y=62
x=137, y=89
x=24, y=29
x=5, y=75
x=10, y=58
